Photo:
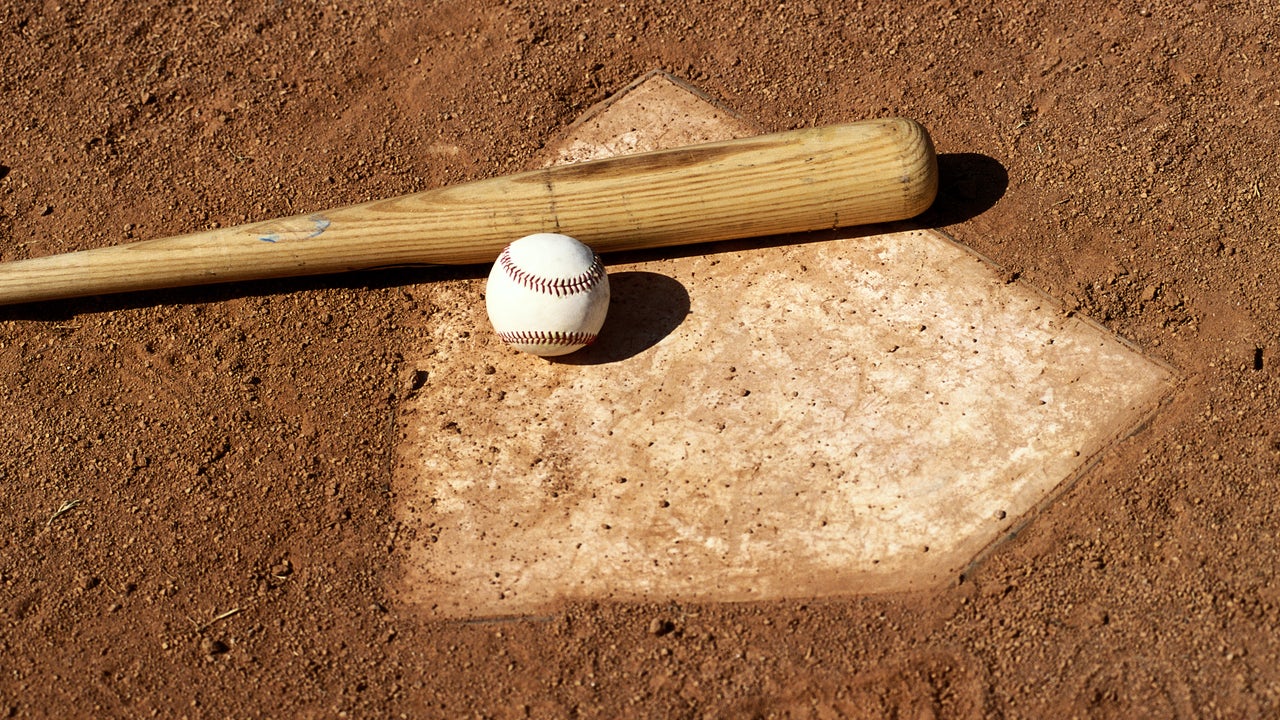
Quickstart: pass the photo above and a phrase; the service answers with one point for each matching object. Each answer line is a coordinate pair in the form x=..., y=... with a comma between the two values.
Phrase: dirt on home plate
x=198, y=508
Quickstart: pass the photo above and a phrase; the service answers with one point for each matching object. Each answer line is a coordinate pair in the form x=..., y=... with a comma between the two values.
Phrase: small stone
x=659, y=627
x=209, y=646
x=414, y=380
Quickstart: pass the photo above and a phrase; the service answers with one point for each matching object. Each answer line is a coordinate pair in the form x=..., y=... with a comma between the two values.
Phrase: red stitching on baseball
x=543, y=337
x=560, y=287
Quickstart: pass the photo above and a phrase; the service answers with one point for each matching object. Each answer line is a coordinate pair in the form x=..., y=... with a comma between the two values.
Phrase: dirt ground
x=198, y=515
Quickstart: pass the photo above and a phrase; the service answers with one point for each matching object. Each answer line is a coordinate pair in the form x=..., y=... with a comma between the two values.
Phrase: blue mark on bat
x=296, y=229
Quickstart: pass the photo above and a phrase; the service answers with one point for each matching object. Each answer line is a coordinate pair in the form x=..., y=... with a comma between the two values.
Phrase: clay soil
x=196, y=506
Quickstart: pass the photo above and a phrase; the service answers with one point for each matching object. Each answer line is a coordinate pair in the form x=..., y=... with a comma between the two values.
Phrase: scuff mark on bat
x=292, y=229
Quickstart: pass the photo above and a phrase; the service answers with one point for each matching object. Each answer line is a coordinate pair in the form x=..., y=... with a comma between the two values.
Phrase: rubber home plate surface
x=847, y=415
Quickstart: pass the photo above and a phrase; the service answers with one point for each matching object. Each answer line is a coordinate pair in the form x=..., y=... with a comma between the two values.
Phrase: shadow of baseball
x=644, y=307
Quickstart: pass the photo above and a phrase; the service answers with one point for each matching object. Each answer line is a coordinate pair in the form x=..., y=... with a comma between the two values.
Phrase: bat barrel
x=790, y=182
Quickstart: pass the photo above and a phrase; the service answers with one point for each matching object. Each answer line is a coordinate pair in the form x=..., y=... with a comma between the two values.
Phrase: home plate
x=848, y=415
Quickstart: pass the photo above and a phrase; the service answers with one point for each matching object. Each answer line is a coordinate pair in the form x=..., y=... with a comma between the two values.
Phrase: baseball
x=547, y=294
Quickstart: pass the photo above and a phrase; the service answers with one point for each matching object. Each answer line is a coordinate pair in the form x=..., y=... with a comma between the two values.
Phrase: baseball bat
x=789, y=182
